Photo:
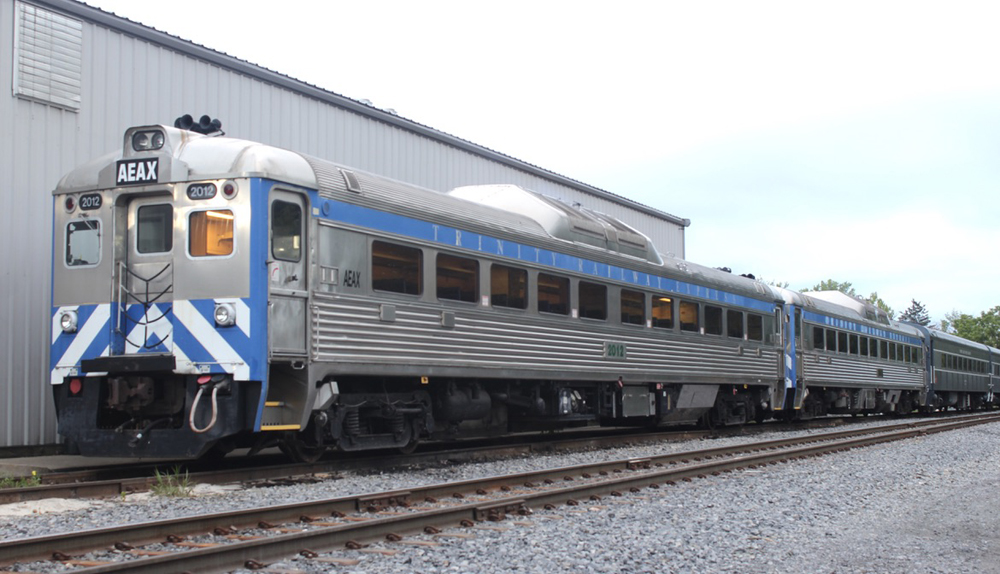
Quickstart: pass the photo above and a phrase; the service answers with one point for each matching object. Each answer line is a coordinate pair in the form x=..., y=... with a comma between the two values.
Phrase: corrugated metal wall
x=133, y=75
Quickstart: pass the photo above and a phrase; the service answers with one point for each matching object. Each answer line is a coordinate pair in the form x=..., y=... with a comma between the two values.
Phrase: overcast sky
x=857, y=141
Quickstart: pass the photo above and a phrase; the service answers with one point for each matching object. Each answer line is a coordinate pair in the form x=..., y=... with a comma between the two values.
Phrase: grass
x=171, y=483
x=21, y=481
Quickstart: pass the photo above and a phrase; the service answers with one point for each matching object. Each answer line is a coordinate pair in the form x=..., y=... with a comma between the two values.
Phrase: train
x=211, y=293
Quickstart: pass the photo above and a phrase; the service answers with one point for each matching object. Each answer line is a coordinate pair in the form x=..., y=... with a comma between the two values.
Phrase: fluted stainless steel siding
x=491, y=343
x=143, y=77
x=848, y=371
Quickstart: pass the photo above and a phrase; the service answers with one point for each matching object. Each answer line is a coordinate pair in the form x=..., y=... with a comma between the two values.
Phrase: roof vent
x=351, y=181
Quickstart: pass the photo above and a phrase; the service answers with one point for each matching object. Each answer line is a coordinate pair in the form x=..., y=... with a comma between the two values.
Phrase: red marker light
x=75, y=386
x=204, y=379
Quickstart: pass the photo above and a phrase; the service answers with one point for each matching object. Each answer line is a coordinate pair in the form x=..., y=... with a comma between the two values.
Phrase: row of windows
x=964, y=364
x=398, y=269
x=837, y=341
x=210, y=233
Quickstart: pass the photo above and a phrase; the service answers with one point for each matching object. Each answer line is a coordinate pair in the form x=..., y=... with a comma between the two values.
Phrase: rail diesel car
x=211, y=293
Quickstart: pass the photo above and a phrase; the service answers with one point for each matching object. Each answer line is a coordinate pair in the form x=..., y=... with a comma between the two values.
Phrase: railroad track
x=251, y=538
x=133, y=478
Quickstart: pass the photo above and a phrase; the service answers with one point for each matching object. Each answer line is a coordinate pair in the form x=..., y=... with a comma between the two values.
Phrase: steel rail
x=234, y=555
x=39, y=547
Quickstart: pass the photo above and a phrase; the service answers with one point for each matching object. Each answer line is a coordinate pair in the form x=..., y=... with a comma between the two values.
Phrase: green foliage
x=874, y=299
x=848, y=288
x=171, y=483
x=916, y=313
x=833, y=285
x=983, y=329
x=21, y=481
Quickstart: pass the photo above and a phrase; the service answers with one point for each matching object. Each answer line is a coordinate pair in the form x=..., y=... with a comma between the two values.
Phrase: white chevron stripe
x=159, y=330
x=84, y=337
x=209, y=337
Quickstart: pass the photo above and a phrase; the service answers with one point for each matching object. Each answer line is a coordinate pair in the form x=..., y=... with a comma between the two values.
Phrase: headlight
x=67, y=321
x=147, y=140
x=225, y=314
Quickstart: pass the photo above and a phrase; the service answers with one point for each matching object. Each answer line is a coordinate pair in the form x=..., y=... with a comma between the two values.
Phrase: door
x=145, y=288
x=287, y=280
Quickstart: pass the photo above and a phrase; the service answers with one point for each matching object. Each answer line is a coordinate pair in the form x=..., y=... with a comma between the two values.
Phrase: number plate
x=615, y=350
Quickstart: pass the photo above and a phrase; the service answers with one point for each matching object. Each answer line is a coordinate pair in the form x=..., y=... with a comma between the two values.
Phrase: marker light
x=147, y=140
x=75, y=387
x=67, y=321
x=225, y=314
x=229, y=189
x=69, y=203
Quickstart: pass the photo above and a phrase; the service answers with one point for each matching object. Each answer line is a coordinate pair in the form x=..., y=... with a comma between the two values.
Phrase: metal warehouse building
x=78, y=77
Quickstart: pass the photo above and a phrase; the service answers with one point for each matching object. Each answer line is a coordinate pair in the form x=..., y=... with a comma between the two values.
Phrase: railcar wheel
x=409, y=447
x=299, y=451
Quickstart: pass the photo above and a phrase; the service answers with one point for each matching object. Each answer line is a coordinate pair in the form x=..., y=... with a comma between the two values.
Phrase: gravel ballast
x=924, y=505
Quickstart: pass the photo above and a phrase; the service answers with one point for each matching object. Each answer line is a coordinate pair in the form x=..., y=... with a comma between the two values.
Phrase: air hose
x=194, y=409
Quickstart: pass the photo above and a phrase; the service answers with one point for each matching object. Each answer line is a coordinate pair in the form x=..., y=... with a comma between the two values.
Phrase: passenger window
x=713, y=320
x=689, y=316
x=853, y=349
x=817, y=339
x=831, y=340
x=553, y=294
x=154, y=230
x=734, y=324
x=841, y=342
x=396, y=268
x=899, y=352
x=508, y=287
x=457, y=278
x=593, y=301
x=883, y=349
x=755, y=327
x=873, y=348
x=83, y=243
x=633, y=307
x=210, y=233
x=286, y=231
x=892, y=352
x=864, y=346
x=663, y=312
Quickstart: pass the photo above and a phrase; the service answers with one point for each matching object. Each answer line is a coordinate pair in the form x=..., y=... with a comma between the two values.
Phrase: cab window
x=210, y=233
x=83, y=243
x=286, y=231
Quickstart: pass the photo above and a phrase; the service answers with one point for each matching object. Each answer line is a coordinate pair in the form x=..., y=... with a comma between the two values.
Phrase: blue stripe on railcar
x=366, y=217
x=846, y=325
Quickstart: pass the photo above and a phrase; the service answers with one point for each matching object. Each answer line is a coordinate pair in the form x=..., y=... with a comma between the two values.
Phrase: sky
x=855, y=141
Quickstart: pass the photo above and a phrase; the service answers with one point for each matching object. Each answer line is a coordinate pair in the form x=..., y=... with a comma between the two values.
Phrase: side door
x=287, y=264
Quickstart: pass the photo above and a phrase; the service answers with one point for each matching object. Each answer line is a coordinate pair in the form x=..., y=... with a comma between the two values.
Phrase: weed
x=171, y=483
x=21, y=481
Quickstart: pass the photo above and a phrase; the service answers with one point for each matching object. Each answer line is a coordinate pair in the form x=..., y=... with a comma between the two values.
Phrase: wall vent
x=48, y=57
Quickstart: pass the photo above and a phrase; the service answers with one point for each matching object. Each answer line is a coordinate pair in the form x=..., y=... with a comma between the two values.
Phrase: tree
x=874, y=299
x=848, y=288
x=983, y=329
x=916, y=313
x=833, y=285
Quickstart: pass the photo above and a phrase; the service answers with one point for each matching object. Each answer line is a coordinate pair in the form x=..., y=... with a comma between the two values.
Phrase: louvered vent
x=351, y=181
x=48, y=57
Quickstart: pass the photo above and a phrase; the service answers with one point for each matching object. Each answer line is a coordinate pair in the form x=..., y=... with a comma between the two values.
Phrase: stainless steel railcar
x=212, y=293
